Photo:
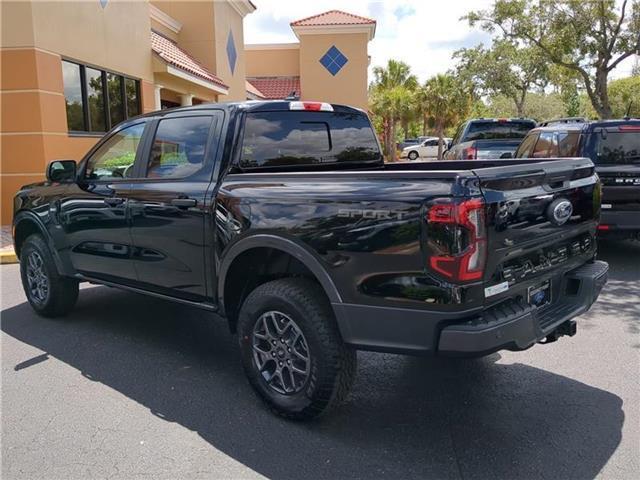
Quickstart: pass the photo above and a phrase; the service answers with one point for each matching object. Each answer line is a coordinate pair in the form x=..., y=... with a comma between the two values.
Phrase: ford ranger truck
x=282, y=219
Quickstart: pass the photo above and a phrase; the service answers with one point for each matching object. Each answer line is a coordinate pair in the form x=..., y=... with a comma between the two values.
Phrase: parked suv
x=484, y=138
x=282, y=219
x=614, y=148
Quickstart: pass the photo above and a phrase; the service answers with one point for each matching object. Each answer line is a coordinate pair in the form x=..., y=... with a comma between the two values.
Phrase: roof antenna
x=626, y=117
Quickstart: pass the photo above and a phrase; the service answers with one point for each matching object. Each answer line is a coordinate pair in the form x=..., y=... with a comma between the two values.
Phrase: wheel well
x=251, y=269
x=23, y=229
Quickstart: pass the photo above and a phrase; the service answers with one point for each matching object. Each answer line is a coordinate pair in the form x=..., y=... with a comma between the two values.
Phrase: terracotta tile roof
x=276, y=87
x=250, y=88
x=333, y=17
x=176, y=57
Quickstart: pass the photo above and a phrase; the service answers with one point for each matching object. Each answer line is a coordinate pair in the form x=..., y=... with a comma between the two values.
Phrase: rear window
x=494, y=129
x=616, y=147
x=284, y=139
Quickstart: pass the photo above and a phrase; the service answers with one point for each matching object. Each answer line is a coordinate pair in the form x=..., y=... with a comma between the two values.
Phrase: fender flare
x=285, y=245
x=27, y=216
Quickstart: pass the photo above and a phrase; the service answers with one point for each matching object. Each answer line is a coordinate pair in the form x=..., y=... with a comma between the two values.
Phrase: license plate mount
x=539, y=295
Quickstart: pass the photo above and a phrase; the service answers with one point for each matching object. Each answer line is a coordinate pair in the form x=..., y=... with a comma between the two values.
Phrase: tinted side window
x=280, y=139
x=115, y=157
x=546, y=146
x=456, y=137
x=568, y=144
x=526, y=147
x=179, y=147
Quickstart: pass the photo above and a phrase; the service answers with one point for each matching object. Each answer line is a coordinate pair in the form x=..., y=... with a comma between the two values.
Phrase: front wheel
x=292, y=351
x=49, y=293
x=413, y=155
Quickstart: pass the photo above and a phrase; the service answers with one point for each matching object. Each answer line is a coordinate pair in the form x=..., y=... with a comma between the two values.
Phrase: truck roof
x=583, y=125
x=249, y=106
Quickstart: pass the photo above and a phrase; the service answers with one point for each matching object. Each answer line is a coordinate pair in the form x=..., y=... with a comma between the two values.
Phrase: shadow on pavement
x=623, y=287
x=407, y=418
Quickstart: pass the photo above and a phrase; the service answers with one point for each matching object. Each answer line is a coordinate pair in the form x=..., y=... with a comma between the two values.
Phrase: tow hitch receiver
x=567, y=328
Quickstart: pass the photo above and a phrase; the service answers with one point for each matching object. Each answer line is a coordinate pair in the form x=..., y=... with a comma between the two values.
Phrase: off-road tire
x=332, y=363
x=62, y=292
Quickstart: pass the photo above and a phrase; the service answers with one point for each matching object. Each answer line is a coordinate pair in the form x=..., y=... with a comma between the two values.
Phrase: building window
x=98, y=100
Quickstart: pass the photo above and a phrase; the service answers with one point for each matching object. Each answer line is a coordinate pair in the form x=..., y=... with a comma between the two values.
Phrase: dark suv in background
x=614, y=147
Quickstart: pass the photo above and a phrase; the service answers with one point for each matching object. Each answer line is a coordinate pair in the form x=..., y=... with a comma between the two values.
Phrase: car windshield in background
x=491, y=130
x=617, y=147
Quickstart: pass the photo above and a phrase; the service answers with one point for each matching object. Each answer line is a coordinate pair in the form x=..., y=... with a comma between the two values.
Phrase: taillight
x=469, y=153
x=457, y=239
x=629, y=128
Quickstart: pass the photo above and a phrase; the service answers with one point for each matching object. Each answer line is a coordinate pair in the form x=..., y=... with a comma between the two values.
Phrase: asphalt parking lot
x=133, y=387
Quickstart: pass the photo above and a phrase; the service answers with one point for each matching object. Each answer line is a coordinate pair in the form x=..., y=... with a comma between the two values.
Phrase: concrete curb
x=8, y=256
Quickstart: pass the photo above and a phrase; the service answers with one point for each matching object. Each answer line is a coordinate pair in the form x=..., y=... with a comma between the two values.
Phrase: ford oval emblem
x=559, y=211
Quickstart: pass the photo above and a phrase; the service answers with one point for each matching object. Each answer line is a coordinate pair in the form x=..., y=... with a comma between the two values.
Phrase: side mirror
x=449, y=144
x=506, y=155
x=61, y=171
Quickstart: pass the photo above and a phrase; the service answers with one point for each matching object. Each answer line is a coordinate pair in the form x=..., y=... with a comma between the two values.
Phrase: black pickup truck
x=487, y=138
x=282, y=218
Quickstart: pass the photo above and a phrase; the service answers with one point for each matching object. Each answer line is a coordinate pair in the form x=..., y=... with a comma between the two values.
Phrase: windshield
x=616, y=148
x=491, y=129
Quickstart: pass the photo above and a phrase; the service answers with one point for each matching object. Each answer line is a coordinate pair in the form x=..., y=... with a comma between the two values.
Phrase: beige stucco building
x=70, y=71
x=328, y=63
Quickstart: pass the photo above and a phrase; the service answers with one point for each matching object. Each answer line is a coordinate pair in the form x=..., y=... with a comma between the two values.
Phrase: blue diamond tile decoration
x=333, y=60
x=232, y=54
x=103, y=3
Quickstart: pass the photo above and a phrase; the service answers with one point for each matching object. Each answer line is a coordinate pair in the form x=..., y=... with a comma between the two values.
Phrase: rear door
x=430, y=149
x=169, y=204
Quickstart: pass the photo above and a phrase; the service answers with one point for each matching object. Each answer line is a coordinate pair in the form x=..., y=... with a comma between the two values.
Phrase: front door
x=93, y=213
x=169, y=206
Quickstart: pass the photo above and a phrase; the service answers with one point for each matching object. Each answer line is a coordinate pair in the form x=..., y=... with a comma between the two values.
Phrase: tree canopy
x=504, y=69
x=589, y=38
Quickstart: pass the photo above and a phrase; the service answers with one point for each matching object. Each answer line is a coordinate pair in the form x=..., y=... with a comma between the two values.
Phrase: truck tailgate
x=541, y=218
x=487, y=149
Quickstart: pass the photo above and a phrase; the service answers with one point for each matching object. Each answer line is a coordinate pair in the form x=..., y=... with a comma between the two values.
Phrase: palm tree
x=392, y=98
x=447, y=100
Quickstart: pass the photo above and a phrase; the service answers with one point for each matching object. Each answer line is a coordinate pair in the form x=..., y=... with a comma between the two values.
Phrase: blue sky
x=422, y=33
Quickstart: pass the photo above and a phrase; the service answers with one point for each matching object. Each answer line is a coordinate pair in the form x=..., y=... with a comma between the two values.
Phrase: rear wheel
x=413, y=155
x=292, y=351
x=48, y=293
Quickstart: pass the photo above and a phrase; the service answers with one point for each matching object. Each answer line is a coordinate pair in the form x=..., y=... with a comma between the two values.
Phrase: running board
x=204, y=306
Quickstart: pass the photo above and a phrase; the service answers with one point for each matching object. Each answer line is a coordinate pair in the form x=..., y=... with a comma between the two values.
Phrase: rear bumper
x=510, y=326
x=515, y=326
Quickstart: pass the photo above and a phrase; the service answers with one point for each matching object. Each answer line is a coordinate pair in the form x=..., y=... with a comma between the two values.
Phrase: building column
x=156, y=96
x=186, y=100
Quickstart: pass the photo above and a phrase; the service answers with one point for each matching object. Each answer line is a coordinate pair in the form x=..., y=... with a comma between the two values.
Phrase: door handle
x=184, y=202
x=114, y=201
